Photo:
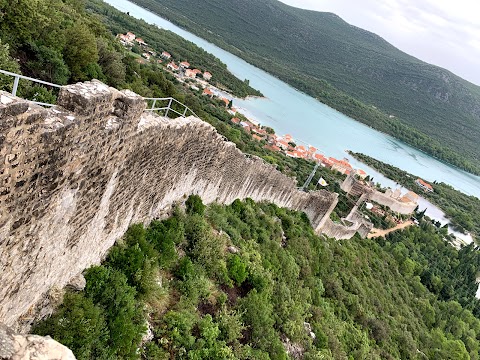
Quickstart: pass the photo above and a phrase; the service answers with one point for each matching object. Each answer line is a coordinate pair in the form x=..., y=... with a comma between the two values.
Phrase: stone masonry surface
x=74, y=177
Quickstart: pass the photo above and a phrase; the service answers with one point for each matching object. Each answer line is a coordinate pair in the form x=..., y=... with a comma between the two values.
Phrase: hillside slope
x=252, y=281
x=321, y=54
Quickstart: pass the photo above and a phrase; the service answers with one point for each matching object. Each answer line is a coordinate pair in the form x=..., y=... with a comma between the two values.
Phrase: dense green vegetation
x=61, y=42
x=463, y=210
x=179, y=48
x=240, y=281
x=347, y=68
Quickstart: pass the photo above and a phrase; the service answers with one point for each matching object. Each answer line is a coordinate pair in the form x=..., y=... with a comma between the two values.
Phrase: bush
x=109, y=289
x=80, y=325
x=195, y=205
x=237, y=269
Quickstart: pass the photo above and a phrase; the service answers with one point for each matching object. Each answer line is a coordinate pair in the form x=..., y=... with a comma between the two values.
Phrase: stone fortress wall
x=74, y=177
x=393, y=199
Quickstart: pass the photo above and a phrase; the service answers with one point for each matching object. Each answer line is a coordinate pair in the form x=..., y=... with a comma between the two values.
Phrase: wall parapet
x=75, y=176
x=393, y=199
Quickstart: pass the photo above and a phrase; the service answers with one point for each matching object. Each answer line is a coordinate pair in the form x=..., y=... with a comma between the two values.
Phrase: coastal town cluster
x=287, y=145
x=182, y=70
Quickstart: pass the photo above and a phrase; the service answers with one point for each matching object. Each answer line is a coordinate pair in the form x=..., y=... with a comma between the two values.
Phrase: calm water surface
x=311, y=122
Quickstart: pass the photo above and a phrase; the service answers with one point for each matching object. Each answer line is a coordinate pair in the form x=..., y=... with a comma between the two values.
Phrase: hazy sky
x=440, y=32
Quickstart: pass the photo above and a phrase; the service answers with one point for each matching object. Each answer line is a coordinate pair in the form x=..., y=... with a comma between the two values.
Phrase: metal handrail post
x=154, y=102
x=185, y=111
x=15, y=85
x=168, y=107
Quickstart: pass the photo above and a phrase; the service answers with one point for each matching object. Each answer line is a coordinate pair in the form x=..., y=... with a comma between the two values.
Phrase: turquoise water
x=311, y=122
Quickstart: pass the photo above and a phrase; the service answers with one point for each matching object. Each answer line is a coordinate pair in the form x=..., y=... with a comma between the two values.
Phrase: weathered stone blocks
x=74, y=177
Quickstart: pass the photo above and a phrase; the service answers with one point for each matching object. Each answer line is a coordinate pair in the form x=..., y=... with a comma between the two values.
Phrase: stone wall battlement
x=74, y=177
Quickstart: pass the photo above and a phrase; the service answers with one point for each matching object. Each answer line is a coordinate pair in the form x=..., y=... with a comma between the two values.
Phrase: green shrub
x=195, y=205
x=80, y=325
x=237, y=269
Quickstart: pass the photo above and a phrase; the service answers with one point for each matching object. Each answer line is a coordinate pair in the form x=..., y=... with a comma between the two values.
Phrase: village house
x=185, y=64
x=272, y=147
x=424, y=185
x=319, y=158
x=141, y=42
x=166, y=55
x=130, y=36
x=342, y=166
x=207, y=76
x=283, y=144
x=362, y=174
x=311, y=152
x=172, y=66
x=256, y=137
x=288, y=138
x=190, y=73
x=235, y=120
x=246, y=126
x=327, y=162
x=146, y=56
x=259, y=131
x=226, y=101
x=123, y=39
x=207, y=92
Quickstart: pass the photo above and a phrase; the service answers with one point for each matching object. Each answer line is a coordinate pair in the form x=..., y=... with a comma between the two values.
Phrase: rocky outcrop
x=31, y=347
x=74, y=177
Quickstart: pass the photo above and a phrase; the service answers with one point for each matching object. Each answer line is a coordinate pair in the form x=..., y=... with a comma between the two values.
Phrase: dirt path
x=380, y=232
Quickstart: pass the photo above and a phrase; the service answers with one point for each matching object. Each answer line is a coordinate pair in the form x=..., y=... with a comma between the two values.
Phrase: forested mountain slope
x=321, y=54
x=252, y=281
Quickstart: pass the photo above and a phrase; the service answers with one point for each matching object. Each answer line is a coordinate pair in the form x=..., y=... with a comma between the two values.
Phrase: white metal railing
x=169, y=102
x=168, y=106
x=16, y=80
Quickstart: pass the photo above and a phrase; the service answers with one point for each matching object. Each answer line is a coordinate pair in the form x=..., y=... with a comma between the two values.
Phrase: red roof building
x=283, y=144
x=190, y=73
x=235, y=120
x=424, y=185
x=361, y=173
x=342, y=166
x=185, y=64
x=166, y=55
x=319, y=158
x=207, y=92
x=172, y=66
x=207, y=76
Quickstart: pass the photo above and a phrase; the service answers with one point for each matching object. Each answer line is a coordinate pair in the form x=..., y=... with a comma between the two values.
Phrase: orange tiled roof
x=424, y=183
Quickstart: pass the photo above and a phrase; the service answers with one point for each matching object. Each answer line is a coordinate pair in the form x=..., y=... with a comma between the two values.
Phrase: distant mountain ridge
x=322, y=55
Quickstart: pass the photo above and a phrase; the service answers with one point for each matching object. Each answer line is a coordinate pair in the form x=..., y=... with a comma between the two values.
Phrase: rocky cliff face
x=74, y=177
x=31, y=347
